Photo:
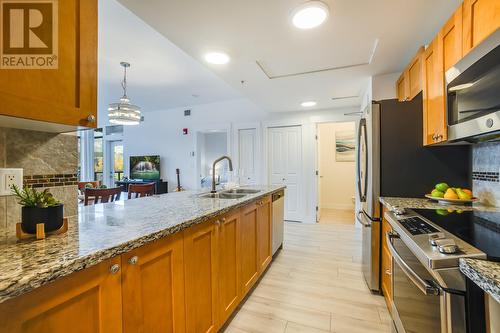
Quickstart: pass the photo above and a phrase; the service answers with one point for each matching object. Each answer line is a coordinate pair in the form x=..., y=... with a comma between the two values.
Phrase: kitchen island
x=139, y=254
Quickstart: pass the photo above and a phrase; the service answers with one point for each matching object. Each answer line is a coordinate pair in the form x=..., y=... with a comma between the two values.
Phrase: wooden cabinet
x=89, y=299
x=402, y=91
x=409, y=83
x=386, y=264
x=264, y=233
x=414, y=74
x=191, y=281
x=480, y=19
x=249, y=270
x=65, y=95
x=200, y=264
x=434, y=113
x=450, y=37
x=229, y=265
x=153, y=287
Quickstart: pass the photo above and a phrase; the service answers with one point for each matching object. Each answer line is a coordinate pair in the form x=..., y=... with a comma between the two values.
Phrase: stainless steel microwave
x=473, y=94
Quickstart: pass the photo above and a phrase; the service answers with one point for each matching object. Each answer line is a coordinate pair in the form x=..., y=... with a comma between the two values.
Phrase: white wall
x=161, y=133
x=384, y=86
x=337, y=182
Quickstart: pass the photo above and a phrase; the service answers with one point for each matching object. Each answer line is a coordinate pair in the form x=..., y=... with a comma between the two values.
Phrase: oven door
x=417, y=300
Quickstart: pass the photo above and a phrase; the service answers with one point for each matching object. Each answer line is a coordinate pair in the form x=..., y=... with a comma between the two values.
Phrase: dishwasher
x=278, y=201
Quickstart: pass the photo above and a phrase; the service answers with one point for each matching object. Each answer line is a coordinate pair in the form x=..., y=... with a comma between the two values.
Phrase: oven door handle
x=427, y=288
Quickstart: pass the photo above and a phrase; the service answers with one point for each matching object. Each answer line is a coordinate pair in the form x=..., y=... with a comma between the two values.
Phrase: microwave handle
x=421, y=284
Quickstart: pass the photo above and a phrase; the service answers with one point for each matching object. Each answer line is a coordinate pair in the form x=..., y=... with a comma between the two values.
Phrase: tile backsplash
x=48, y=160
x=485, y=172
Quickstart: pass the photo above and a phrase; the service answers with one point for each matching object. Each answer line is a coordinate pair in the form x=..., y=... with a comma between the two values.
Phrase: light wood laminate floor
x=314, y=285
x=337, y=216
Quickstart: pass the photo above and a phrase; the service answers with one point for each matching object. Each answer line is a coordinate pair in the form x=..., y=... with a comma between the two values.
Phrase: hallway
x=314, y=285
x=337, y=216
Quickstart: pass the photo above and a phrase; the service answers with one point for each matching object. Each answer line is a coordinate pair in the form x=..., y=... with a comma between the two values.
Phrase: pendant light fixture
x=124, y=113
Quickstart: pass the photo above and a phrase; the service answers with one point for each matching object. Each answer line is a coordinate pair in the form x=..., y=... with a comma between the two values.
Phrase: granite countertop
x=484, y=273
x=103, y=231
x=424, y=203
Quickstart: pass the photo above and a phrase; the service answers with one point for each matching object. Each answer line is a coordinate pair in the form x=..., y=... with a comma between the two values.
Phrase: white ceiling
x=260, y=30
x=161, y=75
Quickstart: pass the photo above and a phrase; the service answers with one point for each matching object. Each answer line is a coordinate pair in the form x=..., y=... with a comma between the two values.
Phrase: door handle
x=360, y=220
x=426, y=288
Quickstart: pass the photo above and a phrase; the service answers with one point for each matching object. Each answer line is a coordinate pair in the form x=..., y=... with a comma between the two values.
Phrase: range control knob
x=489, y=123
x=448, y=248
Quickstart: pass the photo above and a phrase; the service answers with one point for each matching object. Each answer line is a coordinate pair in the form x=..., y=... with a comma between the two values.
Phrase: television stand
x=161, y=187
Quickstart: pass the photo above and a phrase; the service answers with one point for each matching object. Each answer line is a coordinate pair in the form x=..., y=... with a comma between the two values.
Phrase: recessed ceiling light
x=217, y=58
x=308, y=104
x=310, y=15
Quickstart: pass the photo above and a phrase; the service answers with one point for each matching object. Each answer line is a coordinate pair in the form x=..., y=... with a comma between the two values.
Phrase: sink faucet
x=213, y=169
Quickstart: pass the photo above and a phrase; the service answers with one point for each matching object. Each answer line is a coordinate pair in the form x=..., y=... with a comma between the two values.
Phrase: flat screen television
x=145, y=167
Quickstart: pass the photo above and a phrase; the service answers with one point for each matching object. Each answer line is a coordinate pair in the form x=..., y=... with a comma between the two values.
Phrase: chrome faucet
x=213, y=169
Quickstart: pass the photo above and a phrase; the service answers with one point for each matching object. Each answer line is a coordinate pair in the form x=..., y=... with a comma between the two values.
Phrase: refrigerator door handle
x=361, y=219
x=362, y=188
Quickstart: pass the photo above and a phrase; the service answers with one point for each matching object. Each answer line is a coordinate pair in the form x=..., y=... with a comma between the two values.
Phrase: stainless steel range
x=430, y=293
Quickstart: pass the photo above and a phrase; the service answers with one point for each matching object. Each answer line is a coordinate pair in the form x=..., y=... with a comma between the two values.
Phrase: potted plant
x=38, y=207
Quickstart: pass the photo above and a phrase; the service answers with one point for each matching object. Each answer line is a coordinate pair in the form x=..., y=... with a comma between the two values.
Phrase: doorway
x=285, y=167
x=336, y=172
x=210, y=145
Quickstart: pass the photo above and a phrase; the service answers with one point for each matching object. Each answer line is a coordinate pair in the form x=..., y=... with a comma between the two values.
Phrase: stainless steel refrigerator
x=392, y=162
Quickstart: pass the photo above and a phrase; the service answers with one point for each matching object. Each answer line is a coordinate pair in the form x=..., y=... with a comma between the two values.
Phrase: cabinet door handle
x=91, y=118
x=114, y=269
x=388, y=272
x=223, y=220
x=133, y=260
x=217, y=223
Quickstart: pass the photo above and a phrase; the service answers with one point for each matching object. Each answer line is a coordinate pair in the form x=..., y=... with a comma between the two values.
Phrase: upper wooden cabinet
x=409, y=83
x=434, y=115
x=450, y=37
x=480, y=19
x=153, y=287
x=402, y=91
x=67, y=94
x=89, y=300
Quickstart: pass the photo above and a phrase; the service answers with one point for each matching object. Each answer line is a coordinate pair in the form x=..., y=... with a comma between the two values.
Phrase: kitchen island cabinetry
x=90, y=299
x=189, y=281
x=152, y=287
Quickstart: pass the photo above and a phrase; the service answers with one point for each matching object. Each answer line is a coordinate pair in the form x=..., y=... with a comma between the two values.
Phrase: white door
x=247, y=149
x=285, y=164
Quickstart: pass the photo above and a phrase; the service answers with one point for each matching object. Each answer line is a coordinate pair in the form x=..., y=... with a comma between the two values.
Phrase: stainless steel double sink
x=235, y=193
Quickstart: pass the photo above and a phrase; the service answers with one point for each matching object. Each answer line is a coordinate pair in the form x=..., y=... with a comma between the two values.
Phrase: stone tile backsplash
x=485, y=172
x=46, y=158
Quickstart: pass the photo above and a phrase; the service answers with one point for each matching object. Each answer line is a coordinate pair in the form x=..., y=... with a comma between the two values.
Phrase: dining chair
x=101, y=195
x=141, y=190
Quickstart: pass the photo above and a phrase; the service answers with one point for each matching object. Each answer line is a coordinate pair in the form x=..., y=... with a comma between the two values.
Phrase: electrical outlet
x=8, y=178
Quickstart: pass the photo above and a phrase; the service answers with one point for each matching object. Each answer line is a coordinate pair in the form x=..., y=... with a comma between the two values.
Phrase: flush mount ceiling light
x=124, y=113
x=217, y=58
x=310, y=15
x=308, y=104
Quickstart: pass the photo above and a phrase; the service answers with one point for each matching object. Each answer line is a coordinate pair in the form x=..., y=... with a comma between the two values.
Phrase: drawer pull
x=133, y=260
x=114, y=269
